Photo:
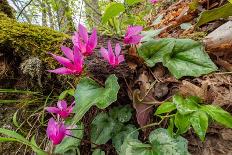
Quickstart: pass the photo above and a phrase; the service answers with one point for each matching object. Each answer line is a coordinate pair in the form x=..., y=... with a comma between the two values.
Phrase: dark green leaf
x=214, y=14
x=89, y=93
x=199, y=122
x=122, y=114
x=119, y=137
x=98, y=152
x=112, y=10
x=165, y=107
x=183, y=57
x=160, y=144
x=182, y=122
x=154, y=51
x=70, y=144
x=102, y=128
x=218, y=114
x=133, y=146
x=166, y=145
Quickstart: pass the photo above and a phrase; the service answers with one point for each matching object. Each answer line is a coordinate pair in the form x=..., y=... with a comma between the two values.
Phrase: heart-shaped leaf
x=89, y=93
x=119, y=137
x=122, y=114
x=183, y=57
x=161, y=143
x=102, y=128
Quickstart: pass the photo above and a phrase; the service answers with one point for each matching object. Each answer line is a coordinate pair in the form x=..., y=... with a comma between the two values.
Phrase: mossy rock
x=6, y=9
x=26, y=40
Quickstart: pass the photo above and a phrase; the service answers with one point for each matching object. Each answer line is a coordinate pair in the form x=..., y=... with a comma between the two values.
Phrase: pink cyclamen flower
x=82, y=40
x=114, y=59
x=73, y=63
x=153, y=1
x=132, y=35
x=56, y=131
x=62, y=109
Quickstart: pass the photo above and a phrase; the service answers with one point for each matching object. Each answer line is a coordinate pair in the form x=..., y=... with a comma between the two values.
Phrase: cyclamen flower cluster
x=57, y=130
x=83, y=46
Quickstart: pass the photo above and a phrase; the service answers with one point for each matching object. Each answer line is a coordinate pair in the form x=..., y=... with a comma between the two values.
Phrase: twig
x=92, y=8
x=24, y=8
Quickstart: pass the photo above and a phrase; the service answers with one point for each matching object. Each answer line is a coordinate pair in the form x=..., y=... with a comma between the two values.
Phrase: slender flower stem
x=97, y=145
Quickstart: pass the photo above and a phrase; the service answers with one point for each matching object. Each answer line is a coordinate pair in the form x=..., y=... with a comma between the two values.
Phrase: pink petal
x=153, y=1
x=78, y=60
x=110, y=53
x=64, y=61
x=52, y=109
x=133, y=40
x=68, y=52
x=51, y=128
x=133, y=30
x=121, y=59
x=83, y=33
x=117, y=49
x=82, y=47
x=92, y=42
x=56, y=131
x=104, y=53
x=64, y=114
x=62, y=70
x=75, y=38
x=62, y=105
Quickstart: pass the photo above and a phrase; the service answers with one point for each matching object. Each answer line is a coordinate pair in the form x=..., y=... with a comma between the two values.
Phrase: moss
x=26, y=40
x=6, y=8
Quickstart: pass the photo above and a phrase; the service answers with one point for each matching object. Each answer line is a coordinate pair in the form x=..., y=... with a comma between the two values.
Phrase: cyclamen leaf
x=165, y=144
x=160, y=144
x=199, y=122
x=119, y=137
x=112, y=10
x=214, y=14
x=70, y=144
x=165, y=108
x=98, y=152
x=89, y=93
x=183, y=57
x=122, y=114
x=218, y=114
x=102, y=128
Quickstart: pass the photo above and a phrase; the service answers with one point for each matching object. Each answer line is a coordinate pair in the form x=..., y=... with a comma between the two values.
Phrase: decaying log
x=220, y=40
